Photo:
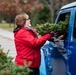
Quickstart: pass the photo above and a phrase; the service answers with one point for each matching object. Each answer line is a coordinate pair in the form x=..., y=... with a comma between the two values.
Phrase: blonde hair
x=21, y=19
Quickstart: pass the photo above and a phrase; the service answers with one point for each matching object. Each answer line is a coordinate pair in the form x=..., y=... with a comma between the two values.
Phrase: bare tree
x=14, y=7
x=18, y=6
x=54, y=6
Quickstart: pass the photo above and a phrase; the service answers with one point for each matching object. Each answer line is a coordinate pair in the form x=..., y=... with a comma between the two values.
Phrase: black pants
x=35, y=71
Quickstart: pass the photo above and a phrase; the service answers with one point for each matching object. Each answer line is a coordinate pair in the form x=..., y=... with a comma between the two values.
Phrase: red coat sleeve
x=28, y=39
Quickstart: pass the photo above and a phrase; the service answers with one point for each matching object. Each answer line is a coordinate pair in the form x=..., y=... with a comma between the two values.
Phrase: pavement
x=6, y=34
x=7, y=42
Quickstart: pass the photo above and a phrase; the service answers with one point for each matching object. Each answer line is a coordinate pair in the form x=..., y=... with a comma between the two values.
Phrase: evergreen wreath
x=61, y=28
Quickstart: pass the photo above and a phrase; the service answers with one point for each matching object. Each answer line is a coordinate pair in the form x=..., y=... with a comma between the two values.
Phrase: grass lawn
x=9, y=27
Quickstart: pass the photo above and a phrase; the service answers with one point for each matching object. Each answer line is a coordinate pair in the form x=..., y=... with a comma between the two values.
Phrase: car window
x=63, y=17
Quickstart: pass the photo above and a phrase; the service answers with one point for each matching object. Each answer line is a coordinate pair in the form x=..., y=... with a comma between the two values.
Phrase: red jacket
x=28, y=46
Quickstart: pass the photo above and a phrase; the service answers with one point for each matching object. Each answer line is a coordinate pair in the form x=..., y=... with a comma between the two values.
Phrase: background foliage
x=40, y=11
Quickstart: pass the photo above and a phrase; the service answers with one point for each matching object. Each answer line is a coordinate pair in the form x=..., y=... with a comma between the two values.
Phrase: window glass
x=63, y=17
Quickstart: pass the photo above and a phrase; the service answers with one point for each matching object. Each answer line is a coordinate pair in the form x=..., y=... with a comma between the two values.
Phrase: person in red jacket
x=28, y=44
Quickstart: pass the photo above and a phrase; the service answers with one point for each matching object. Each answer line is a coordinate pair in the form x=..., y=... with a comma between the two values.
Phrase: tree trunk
x=52, y=10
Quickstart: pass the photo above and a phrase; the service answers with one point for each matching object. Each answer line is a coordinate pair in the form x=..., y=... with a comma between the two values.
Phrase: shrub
x=7, y=67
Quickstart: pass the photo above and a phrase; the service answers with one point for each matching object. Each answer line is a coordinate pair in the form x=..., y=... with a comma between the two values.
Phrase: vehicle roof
x=70, y=5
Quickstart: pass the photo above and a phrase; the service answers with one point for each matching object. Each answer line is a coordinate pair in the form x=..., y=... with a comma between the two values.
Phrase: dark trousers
x=35, y=71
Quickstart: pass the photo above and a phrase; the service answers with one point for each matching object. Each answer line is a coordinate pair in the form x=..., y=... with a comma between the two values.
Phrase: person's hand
x=59, y=38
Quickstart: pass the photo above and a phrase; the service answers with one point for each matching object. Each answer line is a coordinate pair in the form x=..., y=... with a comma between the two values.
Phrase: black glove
x=51, y=40
x=52, y=34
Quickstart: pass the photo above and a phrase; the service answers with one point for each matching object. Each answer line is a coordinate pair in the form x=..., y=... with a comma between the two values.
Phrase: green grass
x=9, y=27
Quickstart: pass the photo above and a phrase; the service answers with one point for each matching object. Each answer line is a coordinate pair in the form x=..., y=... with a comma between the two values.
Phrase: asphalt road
x=7, y=42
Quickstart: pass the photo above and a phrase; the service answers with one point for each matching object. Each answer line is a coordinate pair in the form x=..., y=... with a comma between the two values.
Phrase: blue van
x=54, y=62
